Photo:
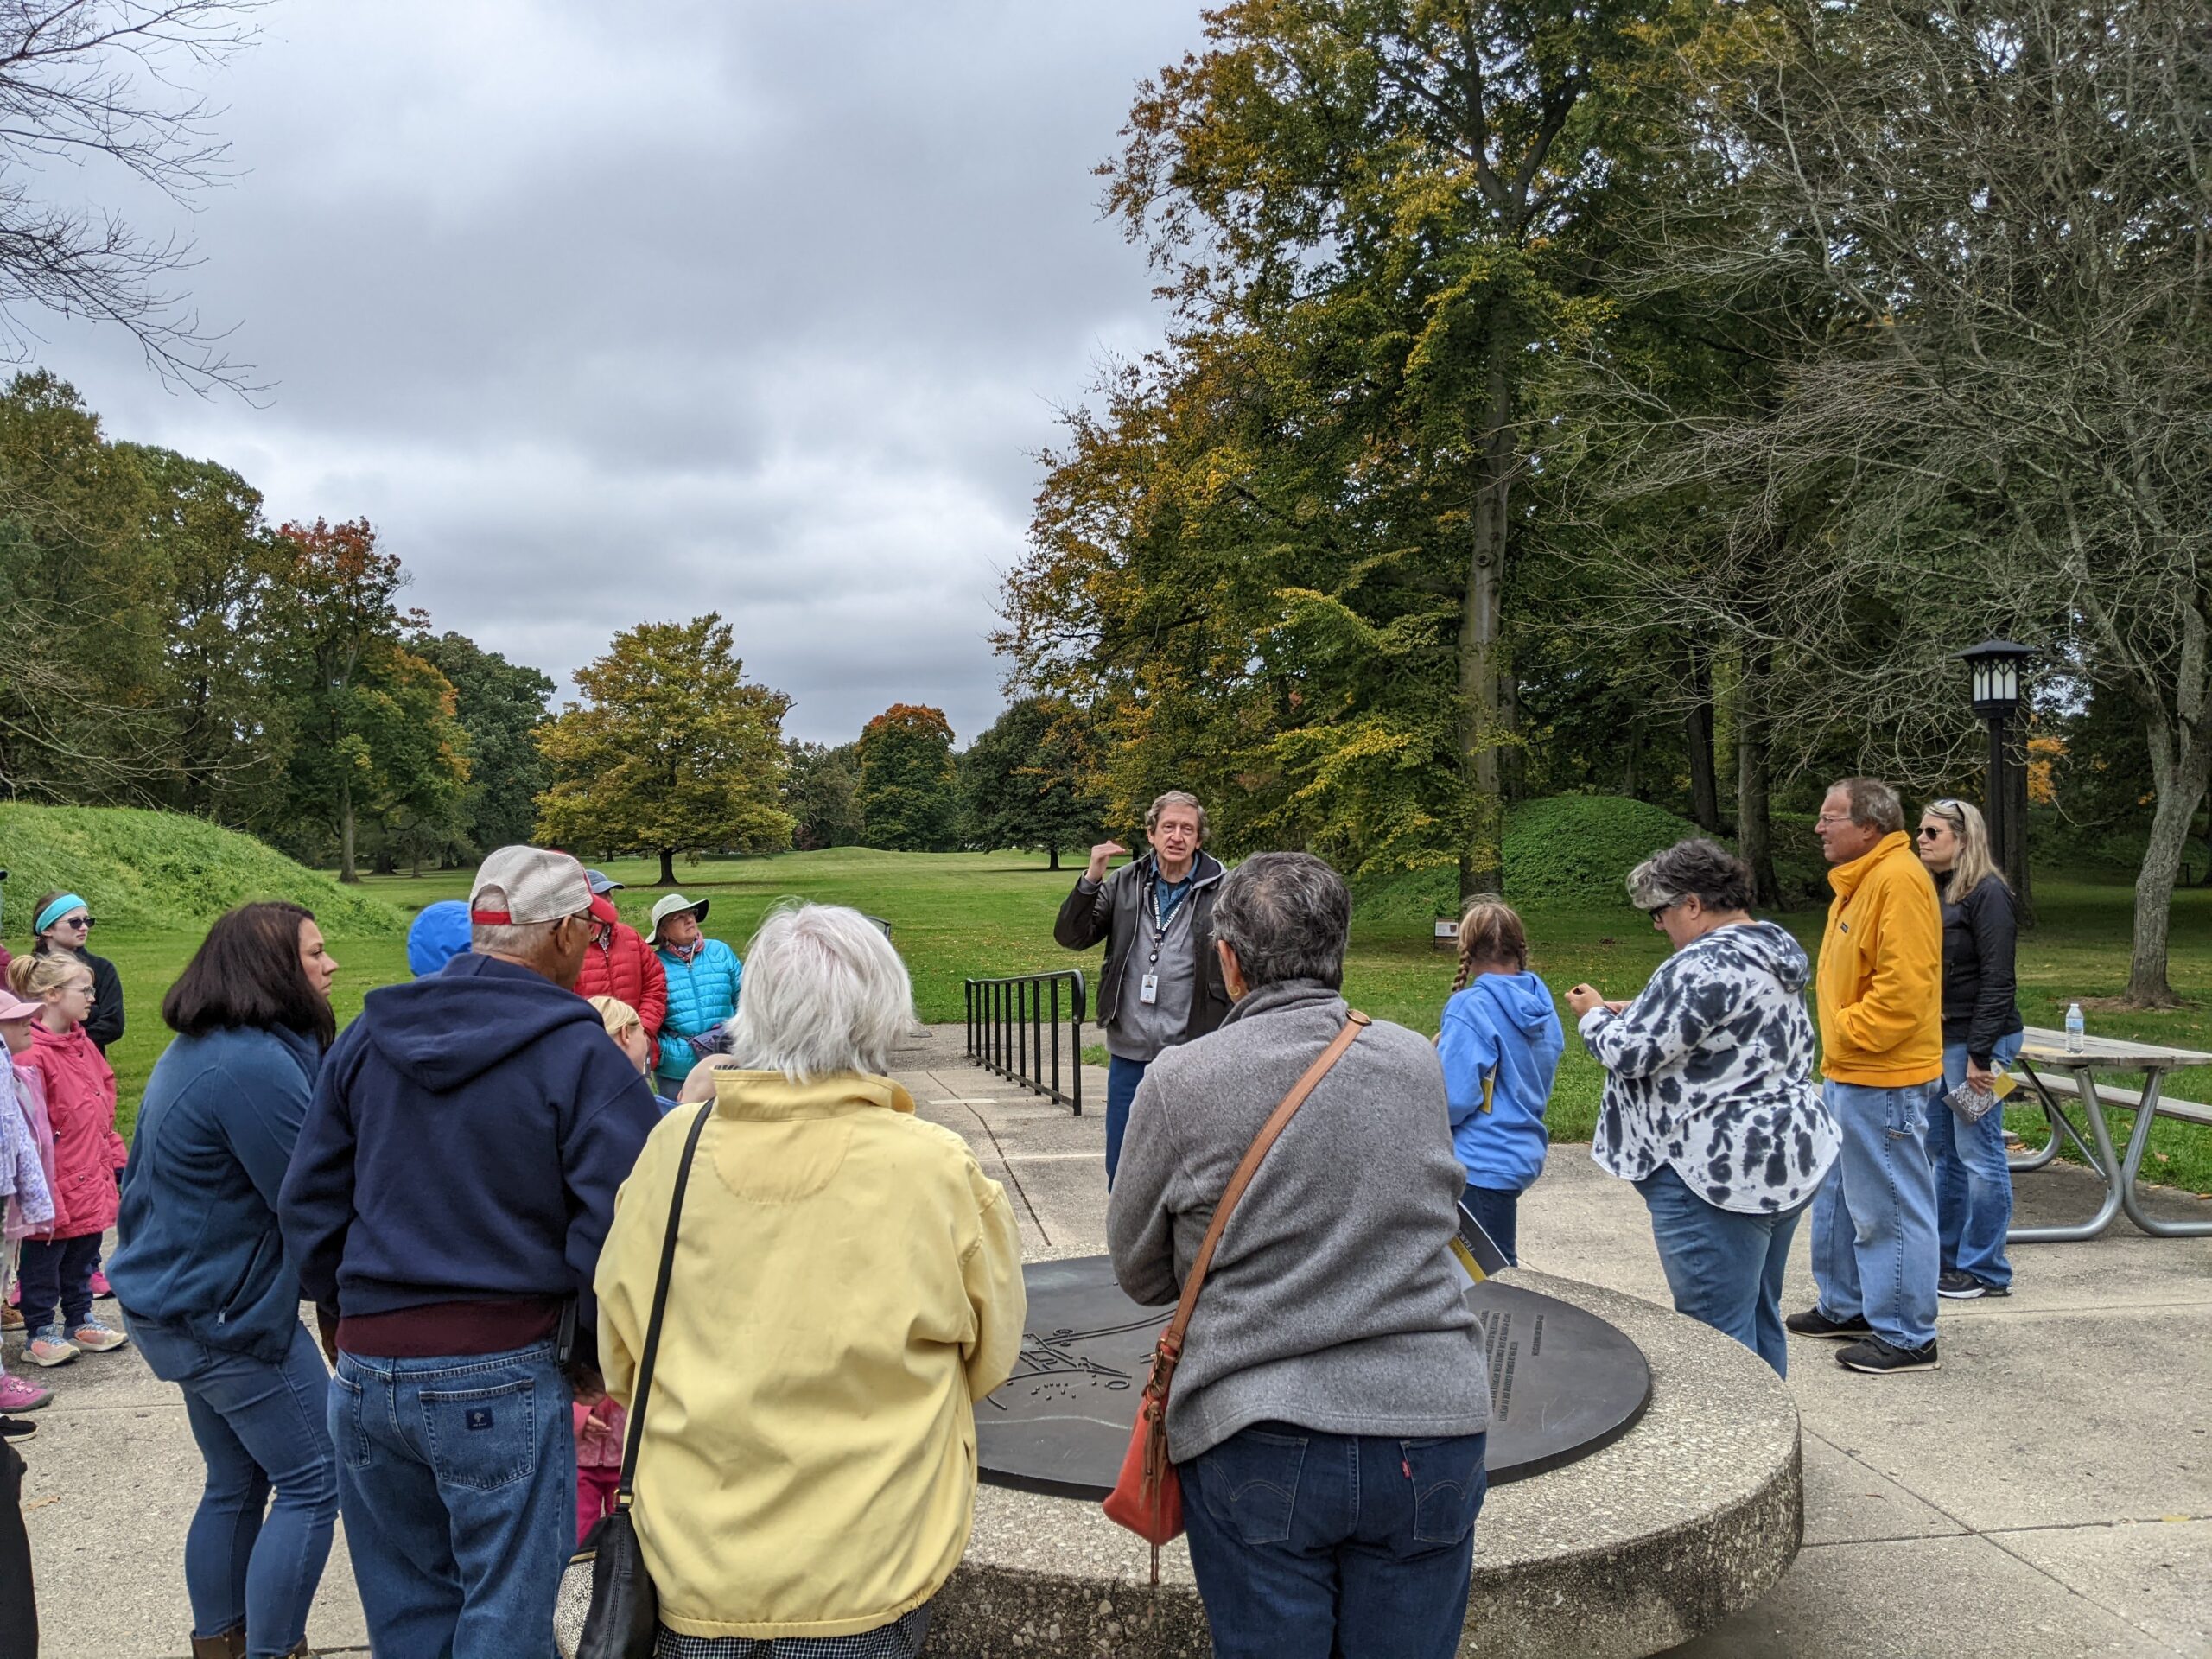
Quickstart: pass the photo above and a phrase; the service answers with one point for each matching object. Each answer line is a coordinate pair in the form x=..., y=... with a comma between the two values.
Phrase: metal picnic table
x=2045, y=1050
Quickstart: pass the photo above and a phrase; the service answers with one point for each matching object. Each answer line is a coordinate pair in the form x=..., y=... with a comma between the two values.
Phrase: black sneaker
x=1814, y=1323
x=14, y=1431
x=1877, y=1358
x=1960, y=1286
x=1988, y=1289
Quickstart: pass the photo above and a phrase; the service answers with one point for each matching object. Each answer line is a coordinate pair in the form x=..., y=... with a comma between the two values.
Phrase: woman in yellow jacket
x=847, y=1285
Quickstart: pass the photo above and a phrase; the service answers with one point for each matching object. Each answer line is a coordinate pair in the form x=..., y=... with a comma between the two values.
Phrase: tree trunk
x=1482, y=862
x=1697, y=734
x=2180, y=772
x=1056, y=856
x=1513, y=756
x=668, y=866
x=1754, y=832
x=345, y=870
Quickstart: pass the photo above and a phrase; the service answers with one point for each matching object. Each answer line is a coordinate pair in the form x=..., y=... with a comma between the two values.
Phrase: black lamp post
x=1996, y=669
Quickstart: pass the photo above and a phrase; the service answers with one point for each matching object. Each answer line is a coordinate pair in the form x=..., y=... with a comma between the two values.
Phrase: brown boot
x=231, y=1644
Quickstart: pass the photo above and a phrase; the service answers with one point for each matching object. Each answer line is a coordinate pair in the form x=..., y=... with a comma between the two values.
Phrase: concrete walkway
x=2047, y=1494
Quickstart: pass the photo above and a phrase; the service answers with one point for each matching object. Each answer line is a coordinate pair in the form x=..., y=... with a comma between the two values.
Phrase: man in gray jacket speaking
x=1161, y=984
x=1328, y=1420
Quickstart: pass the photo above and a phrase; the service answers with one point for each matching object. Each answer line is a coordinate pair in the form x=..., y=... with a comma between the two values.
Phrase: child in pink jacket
x=55, y=1265
x=26, y=1170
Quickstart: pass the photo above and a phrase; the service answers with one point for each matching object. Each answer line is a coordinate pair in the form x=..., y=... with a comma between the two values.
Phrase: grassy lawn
x=954, y=915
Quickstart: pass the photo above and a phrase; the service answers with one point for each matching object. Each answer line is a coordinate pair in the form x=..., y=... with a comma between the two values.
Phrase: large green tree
x=1991, y=413
x=1300, y=523
x=821, y=786
x=375, y=735
x=1032, y=779
x=501, y=705
x=909, y=794
x=672, y=749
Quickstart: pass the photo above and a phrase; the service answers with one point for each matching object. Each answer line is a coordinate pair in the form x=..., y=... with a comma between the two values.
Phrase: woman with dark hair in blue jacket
x=202, y=1278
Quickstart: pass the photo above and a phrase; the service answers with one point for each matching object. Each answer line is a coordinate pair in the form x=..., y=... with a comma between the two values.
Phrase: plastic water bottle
x=2074, y=1042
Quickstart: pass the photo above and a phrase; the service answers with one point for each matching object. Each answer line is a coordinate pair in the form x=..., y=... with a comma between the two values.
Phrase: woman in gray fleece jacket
x=1327, y=1419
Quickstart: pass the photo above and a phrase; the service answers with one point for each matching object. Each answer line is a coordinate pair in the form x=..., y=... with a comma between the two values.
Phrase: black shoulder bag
x=607, y=1608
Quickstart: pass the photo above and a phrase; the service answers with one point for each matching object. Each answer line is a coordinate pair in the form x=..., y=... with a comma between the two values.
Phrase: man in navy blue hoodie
x=447, y=1200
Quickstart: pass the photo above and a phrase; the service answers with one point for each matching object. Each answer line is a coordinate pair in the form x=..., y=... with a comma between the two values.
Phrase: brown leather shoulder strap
x=1277, y=1120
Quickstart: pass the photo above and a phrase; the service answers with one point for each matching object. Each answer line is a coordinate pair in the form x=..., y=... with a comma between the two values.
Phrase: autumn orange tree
x=909, y=794
x=672, y=749
x=373, y=727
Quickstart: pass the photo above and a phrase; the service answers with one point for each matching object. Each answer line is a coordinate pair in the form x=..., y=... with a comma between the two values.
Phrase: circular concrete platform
x=1692, y=1515
x=1563, y=1382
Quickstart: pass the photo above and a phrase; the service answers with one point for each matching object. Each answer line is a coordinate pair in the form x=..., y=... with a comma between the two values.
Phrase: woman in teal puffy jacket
x=702, y=978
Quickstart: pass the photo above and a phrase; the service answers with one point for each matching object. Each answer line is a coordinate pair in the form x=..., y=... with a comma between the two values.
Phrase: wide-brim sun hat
x=674, y=905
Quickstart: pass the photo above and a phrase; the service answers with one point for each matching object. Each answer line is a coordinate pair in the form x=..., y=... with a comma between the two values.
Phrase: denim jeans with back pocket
x=457, y=1478
x=1309, y=1546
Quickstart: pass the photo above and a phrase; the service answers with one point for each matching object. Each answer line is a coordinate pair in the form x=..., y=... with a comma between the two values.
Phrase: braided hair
x=1490, y=930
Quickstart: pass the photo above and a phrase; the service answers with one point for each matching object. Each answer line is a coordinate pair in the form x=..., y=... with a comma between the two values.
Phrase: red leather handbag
x=1148, y=1499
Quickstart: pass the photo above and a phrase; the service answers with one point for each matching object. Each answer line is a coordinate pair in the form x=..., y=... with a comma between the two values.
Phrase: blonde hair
x=39, y=977
x=1973, y=864
x=1490, y=930
x=615, y=1015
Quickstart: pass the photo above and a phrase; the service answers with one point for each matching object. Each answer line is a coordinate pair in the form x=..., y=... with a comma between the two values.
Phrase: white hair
x=524, y=940
x=824, y=992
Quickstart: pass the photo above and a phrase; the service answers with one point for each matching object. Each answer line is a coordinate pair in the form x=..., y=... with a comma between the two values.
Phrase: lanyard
x=1164, y=908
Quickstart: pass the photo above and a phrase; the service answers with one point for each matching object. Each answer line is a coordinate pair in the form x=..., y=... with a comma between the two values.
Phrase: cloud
x=603, y=313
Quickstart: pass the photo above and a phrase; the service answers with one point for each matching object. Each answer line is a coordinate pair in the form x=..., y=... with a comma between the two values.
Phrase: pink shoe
x=100, y=1289
x=16, y=1394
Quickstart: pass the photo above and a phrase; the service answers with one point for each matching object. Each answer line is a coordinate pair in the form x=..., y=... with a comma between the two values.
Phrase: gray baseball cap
x=539, y=886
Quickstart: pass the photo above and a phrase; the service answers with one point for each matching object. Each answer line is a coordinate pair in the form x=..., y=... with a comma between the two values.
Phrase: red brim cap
x=603, y=910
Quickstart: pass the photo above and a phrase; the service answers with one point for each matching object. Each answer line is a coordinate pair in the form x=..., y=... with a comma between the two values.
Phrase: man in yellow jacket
x=1880, y=992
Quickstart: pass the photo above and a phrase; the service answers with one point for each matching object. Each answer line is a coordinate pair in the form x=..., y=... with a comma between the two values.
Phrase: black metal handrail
x=1013, y=1033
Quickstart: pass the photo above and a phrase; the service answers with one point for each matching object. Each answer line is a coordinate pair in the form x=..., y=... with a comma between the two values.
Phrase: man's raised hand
x=1100, y=854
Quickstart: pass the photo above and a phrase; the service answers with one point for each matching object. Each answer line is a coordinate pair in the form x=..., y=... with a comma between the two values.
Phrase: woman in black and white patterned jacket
x=1710, y=1106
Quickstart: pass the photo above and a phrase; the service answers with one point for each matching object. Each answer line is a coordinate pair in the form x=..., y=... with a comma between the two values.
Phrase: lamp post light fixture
x=1995, y=666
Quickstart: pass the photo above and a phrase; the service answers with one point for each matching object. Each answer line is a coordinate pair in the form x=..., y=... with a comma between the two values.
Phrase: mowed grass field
x=957, y=915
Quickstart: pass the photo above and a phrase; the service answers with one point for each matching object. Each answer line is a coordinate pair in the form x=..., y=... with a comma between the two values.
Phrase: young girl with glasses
x=56, y=1266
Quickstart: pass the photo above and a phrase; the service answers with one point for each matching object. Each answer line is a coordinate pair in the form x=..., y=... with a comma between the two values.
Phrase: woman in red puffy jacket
x=619, y=963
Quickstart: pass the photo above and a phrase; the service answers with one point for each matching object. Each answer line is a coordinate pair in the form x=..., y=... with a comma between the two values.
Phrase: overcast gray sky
x=608, y=312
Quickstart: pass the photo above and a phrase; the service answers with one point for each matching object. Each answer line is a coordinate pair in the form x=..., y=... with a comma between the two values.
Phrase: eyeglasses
x=1825, y=822
x=1926, y=834
x=1657, y=911
x=84, y=922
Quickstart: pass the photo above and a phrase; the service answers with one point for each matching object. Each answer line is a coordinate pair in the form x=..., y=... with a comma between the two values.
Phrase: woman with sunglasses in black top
x=1981, y=1030
x=64, y=922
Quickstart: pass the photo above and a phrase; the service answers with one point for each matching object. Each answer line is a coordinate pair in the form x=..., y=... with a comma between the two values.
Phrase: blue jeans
x=1874, y=1249
x=1724, y=1266
x=1121, y=1079
x=1974, y=1188
x=1310, y=1546
x=260, y=1425
x=458, y=1481
x=1499, y=1211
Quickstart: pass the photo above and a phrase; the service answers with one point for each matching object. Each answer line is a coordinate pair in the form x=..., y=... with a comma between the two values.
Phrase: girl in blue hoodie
x=1500, y=1045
